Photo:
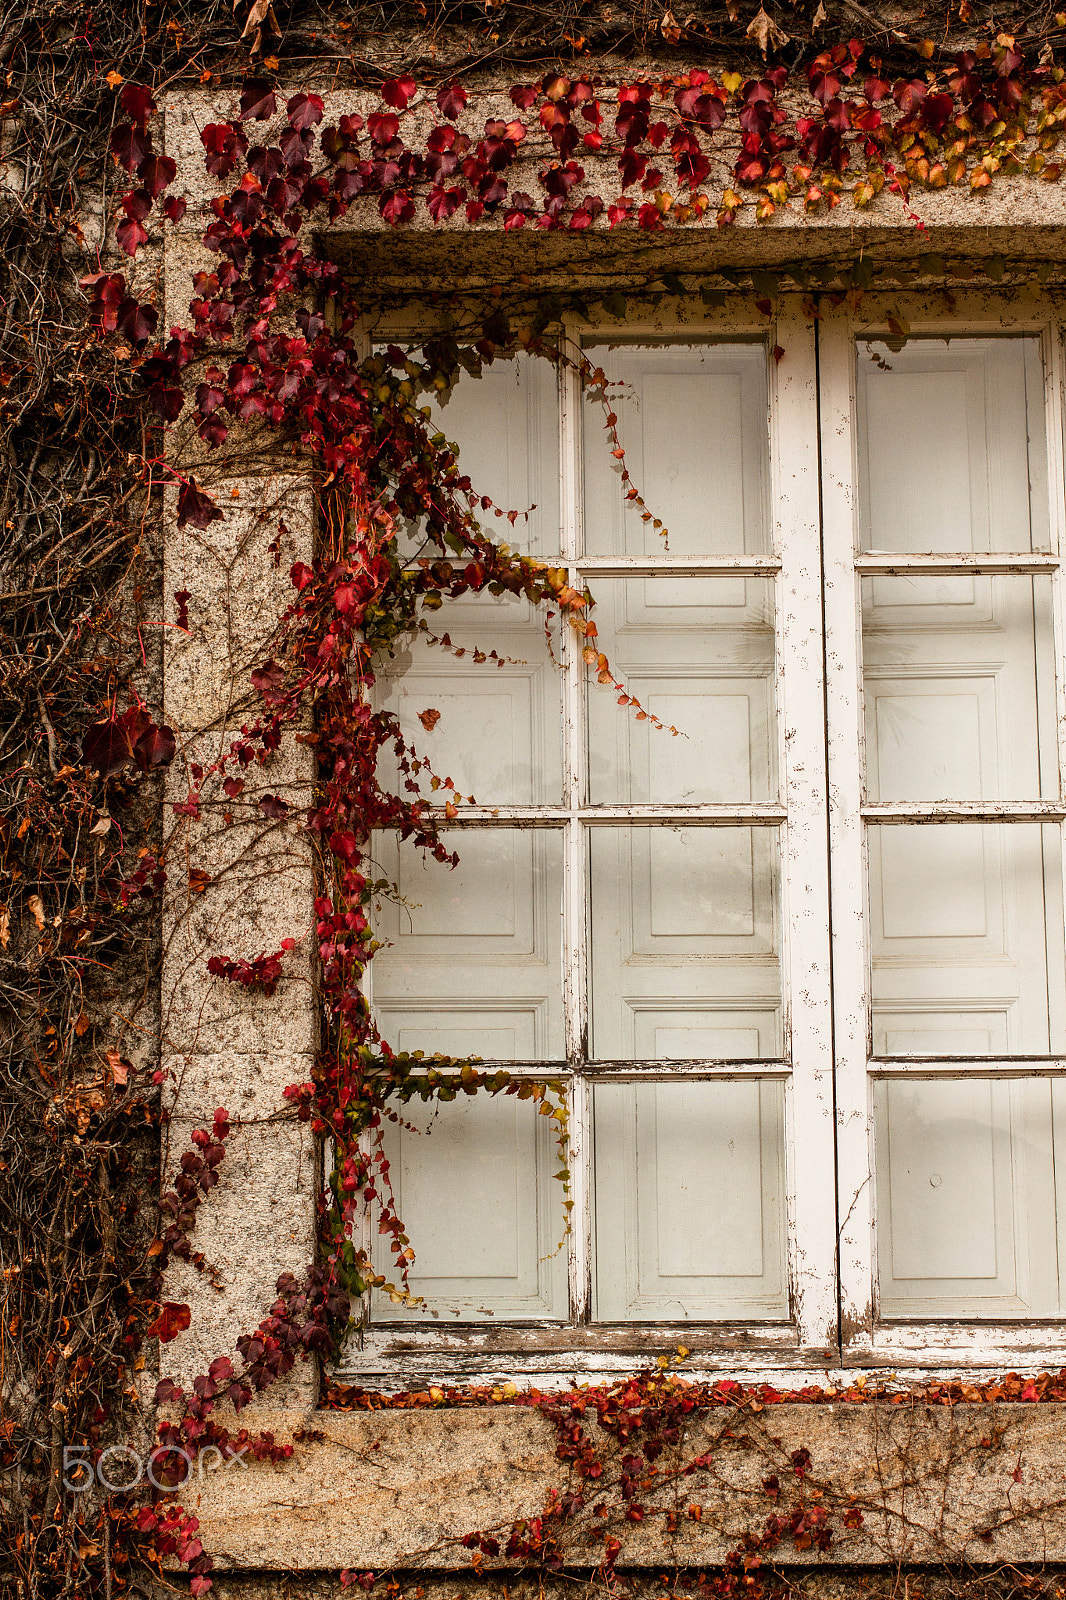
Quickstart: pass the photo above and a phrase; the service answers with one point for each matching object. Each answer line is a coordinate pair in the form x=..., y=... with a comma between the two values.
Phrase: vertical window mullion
x=805, y=914
x=1055, y=399
x=575, y=915
x=847, y=844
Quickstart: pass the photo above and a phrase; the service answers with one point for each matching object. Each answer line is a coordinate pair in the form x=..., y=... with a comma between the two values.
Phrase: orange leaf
x=172, y=1320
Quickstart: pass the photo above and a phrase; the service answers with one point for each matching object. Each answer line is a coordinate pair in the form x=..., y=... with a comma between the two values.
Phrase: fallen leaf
x=114, y=80
x=34, y=903
x=765, y=31
x=102, y=824
x=5, y=927
x=120, y=1068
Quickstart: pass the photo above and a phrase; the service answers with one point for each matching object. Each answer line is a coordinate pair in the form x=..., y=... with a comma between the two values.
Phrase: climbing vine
x=258, y=356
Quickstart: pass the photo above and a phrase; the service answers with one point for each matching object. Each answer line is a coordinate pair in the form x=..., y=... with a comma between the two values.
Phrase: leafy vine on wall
x=662, y=150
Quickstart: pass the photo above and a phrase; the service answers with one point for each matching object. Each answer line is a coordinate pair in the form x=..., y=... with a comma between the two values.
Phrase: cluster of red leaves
x=626, y=1394
x=259, y=973
x=132, y=739
x=173, y=1532
x=196, y=1176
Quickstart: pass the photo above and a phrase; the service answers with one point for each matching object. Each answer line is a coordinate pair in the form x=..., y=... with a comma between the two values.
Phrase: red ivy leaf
x=130, y=146
x=450, y=100
x=304, y=111
x=195, y=506
x=137, y=322
x=130, y=235
x=137, y=102
x=182, y=596
x=155, y=747
x=272, y=805
x=399, y=92
x=172, y=1320
x=429, y=719
x=397, y=207
x=523, y=95
x=223, y=142
x=257, y=100
x=382, y=127
x=175, y=207
x=156, y=173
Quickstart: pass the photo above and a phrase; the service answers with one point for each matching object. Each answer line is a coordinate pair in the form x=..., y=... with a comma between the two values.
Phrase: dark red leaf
x=399, y=92
x=130, y=235
x=195, y=506
x=272, y=805
x=136, y=101
x=304, y=111
x=523, y=95
x=450, y=100
x=130, y=146
x=137, y=322
x=257, y=100
x=175, y=207
x=383, y=127
x=157, y=172
x=155, y=747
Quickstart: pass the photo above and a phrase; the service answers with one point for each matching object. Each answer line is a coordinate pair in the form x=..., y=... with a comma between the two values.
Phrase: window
x=802, y=965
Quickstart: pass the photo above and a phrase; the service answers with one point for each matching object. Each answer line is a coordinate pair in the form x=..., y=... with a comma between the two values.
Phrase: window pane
x=967, y=939
x=506, y=426
x=685, y=952
x=959, y=688
x=689, y=1201
x=693, y=421
x=966, y=1200
x=499, y=737
x=474, y=963
x=475, y=1189
x=699, y=655
x=952, y=446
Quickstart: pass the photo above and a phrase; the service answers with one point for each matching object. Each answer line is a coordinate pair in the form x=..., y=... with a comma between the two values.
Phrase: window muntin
x=995, y=775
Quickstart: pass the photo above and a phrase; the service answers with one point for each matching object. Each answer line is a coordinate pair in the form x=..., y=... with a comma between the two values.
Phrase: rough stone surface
x=400, y=1489
x=257, y=1223
x=247, y=884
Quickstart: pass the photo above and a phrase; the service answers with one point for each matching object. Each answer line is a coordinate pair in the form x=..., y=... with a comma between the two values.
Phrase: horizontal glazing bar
x=961, y=564
x=670, y=1071
x=742, y=566
x=713, y=816
x=625, y=1071
x=914, y=812
x=967, y=1067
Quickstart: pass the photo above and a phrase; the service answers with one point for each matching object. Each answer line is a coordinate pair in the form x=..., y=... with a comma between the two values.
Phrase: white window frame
x=828, y=1116
x=866, y=1340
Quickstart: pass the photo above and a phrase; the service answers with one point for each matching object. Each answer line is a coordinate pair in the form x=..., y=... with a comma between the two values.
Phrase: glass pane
x=959, y=688
x=693, y=421
x=475, y=1189
x=952, y=446
x=499, y=694
x=474, y=960
x=685, y=945
x=967, y=940
x=689, y=1201
x=506, y=427
x=966, y=1200
x=699, y=655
